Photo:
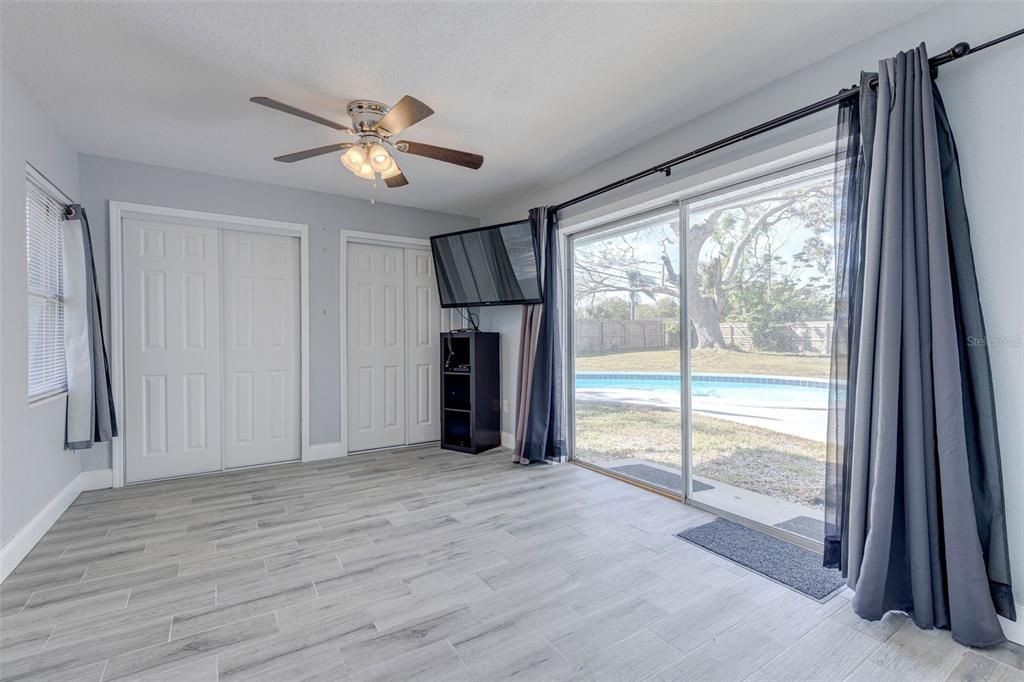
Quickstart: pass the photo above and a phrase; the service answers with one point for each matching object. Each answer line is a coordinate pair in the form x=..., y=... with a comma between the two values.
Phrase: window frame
x=34, y=177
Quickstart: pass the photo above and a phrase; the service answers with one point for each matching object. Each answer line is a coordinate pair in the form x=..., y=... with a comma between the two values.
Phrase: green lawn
x=777, y=464
x=780, y=465
x=709, y=360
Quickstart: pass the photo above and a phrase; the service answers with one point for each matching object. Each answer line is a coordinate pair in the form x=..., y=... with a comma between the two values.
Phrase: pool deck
x=802, y=416
x=764, y=509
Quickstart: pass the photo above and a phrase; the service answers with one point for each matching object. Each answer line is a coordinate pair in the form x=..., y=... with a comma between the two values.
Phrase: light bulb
x=356, y=153
x=365, y=171
x=379, y=157
x=354, y=158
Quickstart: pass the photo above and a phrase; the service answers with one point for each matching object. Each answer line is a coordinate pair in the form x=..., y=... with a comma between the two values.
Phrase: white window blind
x=44, y=238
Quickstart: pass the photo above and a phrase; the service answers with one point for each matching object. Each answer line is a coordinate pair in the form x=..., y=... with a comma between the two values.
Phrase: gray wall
x=984, y=95
x=34, y=467
x=104, y=180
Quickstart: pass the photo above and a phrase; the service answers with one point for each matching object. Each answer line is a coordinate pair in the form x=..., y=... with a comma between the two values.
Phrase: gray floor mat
x=659, y=477
x=777, y=559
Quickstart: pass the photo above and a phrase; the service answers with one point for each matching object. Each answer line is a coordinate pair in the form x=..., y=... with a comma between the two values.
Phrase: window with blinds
x=44, y=238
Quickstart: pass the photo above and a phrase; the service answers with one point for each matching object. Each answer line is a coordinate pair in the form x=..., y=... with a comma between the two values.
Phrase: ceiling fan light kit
x=374, y=123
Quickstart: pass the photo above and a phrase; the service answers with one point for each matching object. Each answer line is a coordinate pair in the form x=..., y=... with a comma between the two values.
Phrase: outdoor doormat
x=773, y=558
x=804, y=525
x=659, y=477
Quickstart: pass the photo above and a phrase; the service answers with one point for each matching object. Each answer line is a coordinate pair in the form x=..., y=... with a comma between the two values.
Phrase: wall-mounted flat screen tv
x=494, y=265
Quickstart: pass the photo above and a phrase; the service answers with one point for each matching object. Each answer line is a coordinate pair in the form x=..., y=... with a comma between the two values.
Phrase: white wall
x=105, y=180
x=984, y=95
x=34, y=467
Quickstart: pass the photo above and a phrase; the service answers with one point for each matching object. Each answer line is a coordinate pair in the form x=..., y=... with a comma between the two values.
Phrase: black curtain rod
x=956, y=52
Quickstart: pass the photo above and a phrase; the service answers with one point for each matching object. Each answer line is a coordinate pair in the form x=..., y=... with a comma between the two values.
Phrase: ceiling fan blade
x=289, y=109
x=310, y=153
x=407, y=112
x=396, y=181
x=445, y=154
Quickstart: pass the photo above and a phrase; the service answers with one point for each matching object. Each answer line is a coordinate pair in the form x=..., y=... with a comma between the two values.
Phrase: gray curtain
x=980, y=427
x=90, y=405
x=539, y=429
x=849, y=254
x=923, y=524
x=529, y=326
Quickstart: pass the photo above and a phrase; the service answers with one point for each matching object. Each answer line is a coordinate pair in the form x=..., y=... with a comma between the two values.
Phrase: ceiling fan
x=374, y=124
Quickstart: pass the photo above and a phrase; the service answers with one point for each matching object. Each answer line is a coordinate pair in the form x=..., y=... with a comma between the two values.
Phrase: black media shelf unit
x=470, y=391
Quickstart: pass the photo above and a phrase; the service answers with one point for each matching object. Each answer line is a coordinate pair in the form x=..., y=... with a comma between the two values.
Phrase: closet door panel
x=172, y=421
x=375, y=341
x=261, y=349
x=423, y=353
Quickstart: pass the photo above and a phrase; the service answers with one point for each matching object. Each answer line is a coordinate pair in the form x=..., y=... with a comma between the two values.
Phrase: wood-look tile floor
x=425, y=565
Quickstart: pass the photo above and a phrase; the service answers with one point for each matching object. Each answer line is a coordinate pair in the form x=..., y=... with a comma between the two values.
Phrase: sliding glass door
x=729, y=409
x=626, y=308
x=760, y=277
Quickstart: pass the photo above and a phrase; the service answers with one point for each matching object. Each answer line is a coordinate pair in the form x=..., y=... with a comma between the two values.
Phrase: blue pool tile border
x=673, y=377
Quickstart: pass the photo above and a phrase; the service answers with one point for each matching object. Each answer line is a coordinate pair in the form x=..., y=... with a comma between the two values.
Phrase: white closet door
x=423, y=355
x=376, y=346
x=261, y=348
x=172, y=419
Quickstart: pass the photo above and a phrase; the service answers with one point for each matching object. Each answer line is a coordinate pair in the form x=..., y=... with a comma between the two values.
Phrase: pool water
x=753, y=389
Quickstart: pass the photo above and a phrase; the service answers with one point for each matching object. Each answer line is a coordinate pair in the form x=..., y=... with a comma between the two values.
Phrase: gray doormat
x=807, y=526
x=777, y=559
x=659, y=477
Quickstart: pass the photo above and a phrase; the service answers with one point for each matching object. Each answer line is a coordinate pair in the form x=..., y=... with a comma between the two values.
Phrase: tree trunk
x=706, y=319
x=705, y=315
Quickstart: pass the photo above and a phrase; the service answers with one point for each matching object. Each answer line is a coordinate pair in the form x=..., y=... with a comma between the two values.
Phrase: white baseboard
x=99, y=479
x=508, y=440
x=320, y=451
x=18, y=547
x=1014, y=631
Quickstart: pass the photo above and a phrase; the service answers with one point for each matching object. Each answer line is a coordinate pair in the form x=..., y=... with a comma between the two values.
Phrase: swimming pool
x=744, y=389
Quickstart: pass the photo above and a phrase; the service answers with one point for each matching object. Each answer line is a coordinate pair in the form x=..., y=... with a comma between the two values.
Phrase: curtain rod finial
x=959, y=50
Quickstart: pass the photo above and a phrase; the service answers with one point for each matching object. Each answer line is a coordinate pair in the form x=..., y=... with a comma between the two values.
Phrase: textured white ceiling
x=542, y=89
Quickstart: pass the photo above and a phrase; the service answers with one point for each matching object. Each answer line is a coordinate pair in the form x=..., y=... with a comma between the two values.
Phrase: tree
x=744, y=241
x=605, y=272
x=610, y=309
x=664, y=308
x=733, y=255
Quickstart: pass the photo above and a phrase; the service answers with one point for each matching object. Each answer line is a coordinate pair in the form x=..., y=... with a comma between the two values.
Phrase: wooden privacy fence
x=596, y=337
x=814, y=337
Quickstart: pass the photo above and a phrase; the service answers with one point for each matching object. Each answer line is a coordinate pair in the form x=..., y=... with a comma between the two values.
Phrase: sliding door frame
x=569, y=361
x=682, y=200
x=118, y=211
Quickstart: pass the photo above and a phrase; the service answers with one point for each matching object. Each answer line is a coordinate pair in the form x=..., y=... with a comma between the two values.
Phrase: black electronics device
x=495, y=265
